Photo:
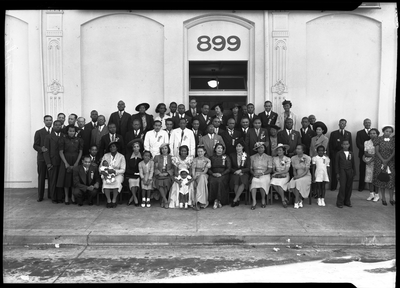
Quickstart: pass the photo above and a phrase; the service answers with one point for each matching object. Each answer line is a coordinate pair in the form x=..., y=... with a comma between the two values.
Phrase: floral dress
x=369, y=166
x=261, y=164
x=386, y=148
x=302, y=184
x=174, y=192
x=280, y=165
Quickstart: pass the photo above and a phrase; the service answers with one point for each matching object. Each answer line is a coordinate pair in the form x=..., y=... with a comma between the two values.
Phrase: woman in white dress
x=320, y=174
x=183, y=161
x=118, y=164
x=260, y=168
x=161, y=109
x=280, y=172
x=200, y=166
x=300, y=184
x=369, y=155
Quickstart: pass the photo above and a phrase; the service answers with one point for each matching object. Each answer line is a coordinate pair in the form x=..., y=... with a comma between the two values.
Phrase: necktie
x=251, y=117
x=113, y=137
x=95, y=125
x=267, y=115
x=183, y=133
x=193, y=112
x=257, y=131
x=156, y=134
x=120, y=114
x=135, y=132
x=48, y=131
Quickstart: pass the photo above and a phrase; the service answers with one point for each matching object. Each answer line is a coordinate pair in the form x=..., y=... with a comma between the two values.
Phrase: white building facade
x=331, y=64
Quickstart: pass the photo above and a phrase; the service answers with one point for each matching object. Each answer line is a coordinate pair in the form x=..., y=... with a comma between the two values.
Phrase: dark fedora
x=322, y=125
x=220, y=105
x=146, y=106
x=117, y=143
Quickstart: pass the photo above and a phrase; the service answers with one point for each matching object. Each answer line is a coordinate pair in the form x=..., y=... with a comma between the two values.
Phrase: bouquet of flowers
x=223, y=159
x=244, y=157
x=159, y=138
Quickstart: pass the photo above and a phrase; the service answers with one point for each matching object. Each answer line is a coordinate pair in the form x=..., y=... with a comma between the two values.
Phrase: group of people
x=196, y=157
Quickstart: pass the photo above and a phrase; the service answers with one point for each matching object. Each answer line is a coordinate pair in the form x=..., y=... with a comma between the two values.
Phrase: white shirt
x=251, y=116
x=111, y=137
x=347, y=154
x=101, y=127
x=268, y=113
x=216, y=130
x=178, y=140
x=121, y=113
x=305, y=130
x=367, y=130
x=163, y=126
x=153, y=141
x=245, y=129
x=48, y=129
x=288, y=131
x=211, y=135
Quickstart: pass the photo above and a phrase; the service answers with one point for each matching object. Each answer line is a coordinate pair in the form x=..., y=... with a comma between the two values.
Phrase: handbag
x=367, y=160
x=383, y=176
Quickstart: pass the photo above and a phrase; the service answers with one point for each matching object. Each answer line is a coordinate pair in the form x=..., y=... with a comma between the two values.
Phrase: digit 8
x=207, y=42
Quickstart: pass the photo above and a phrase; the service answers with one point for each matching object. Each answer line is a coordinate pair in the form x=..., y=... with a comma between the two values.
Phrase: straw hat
x=137, y=140
x=259, y=144
x=280, y=145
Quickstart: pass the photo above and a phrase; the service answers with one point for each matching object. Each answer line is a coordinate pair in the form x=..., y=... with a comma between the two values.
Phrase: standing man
x=257, y=134
x=99, y=131
x=89, y=127
x=154, y=138
x=250, y=114
x=197, y=133
x=135, y=133
x=203, y=117
x=361, y=137
x=346, y=170
x=312, y=121
x=335, y=145
x=192, y=112
x=72, y=118
x=210, y=140
x=182, y=136
x=306, y=134
x=169, y=124
x=146, y=120
x=86, y=180
x=38, y=145
x=181, y=115
x=268, y=117
x=121, y=118
x=172, y=109
x=111, y=136
x=244, y=126
x=231, y=136
x=290, y=137
x=85, y=133
x=53, y=161
x=61, y=118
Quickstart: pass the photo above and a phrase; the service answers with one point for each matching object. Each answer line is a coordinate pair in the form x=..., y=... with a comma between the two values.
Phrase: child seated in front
x=184, y=182
x=321, y=162
x=109, y=177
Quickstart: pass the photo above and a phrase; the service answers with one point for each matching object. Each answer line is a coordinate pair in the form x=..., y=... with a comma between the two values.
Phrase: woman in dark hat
x=116, y=164
x=320, y=139
x=240, y=169
x=219, y=108
x=237, y=115
x=132, y=169
x=161, y=109
x=287, y=105
x=146, y=120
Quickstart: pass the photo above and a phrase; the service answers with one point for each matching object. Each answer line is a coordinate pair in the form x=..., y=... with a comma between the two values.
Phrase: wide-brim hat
x=259, y=144
x=183, y=169
x=158, y=107
x=236, y=105
x=220, y=105
x=322, y=125
x=276, y=127
x=280, y=145
x=146, y=106
x=137, y=140
x=163, y=145
x=117, y=143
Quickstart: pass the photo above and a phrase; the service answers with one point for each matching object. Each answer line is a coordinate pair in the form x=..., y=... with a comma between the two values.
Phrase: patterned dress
x=369, y=167
x=200, y=184
x=280, y=165
x=386, y=148
x=261, y=164
x=302, y=184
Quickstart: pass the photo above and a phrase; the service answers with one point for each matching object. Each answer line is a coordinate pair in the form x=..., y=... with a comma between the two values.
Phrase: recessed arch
x=113, y=14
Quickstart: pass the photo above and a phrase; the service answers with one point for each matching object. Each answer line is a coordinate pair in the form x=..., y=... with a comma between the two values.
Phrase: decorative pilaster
x=53, y=62
x=280, y=34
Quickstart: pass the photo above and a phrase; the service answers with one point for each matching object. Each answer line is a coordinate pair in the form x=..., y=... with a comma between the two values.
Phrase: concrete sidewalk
x=27, y=221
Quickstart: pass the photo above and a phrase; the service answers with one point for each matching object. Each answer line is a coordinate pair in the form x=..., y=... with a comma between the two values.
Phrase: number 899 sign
x=218, y=43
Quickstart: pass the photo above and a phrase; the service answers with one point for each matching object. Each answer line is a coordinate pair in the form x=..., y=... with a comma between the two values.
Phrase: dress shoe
x=253, y=207
x=233, y=204
x=322, y=202
x=296, y=206
x=376, y=197
x=130, y=202
x=109, y=205
x=348, y=205
x=384, y=202
x=114, y=205
x=54, y=201
x=392, y=202
x=301, y=204
x=371, y=196
x=39, y=200
x=339, y=206
x=263, y=205
x=136, y=204
x=284, y=204
x=215, y=206
x=148, y=205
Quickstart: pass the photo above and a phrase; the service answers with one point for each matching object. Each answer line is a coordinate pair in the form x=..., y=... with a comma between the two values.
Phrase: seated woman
x=260, y=168
x=219, y=177
x=183, y=161
x=300, y=184
x=200, y=166
x=239, y=171
x=117, y=164
x=163, y=171
x=280, y=172
x=132, y=169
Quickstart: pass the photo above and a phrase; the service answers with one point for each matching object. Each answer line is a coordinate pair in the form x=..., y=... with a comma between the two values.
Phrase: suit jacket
x=96, y=161
x=210, y=144
x=230, y=141
x=306, y=138
x=149, y=121
x=342, y=163
x=123, y=124
x=96, y=136
x=105, y=140
x=292, y=140
x=361, y=137
x=190, y=114
x=251, y=120
x=188, y=139
x=238, y=118
x=85, y=134
x=159, y=163
x=252, y=138
x=267, y=121
x=79, y=177
x=244, y=134
x=203, y=122
x=188, y=121
x=236, y=166
x=129, y=136
x=335, y=142
x=224, y=121
x=52, y=155
x=38, y=142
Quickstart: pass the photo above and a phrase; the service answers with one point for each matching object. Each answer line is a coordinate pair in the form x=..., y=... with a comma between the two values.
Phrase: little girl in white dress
x=321, y=163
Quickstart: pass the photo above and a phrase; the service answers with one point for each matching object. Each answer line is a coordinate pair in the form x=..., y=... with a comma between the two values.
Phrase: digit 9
x=236, y=43
x=220, y=43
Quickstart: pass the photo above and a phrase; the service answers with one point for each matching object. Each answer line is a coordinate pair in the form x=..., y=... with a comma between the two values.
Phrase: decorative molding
x=54, y=33
x=280, y=33
x=279, y=87
x=54, y=12
x=55, y=87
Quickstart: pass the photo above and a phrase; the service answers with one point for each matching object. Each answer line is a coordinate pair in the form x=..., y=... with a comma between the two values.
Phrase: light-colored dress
x=302, y=184
x=200, y=184
x=174, y=192
x=280, y=165
x=321, y=168
x=369, y=167
x=260, y=164
x=146, y=171
x=118, y=163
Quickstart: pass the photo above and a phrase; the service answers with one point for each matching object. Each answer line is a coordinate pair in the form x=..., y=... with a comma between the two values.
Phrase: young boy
x=346, y=171
x=185, y=181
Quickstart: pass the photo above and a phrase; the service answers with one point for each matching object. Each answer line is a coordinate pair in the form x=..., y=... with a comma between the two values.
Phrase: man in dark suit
x=197, y=133
x=72, y=118
x=89, y=127
x=86, y=180
x=94, y=157
x=257, y=134
x=84, y=133
x=210, y=140
x=268, y=117
x=135, y=133
x=231, y=136
x=203, y=117
x=172, y=109
x=98, y=132
x=345, y=172
x=306, y=134
x=244, y=126
x=335, y=140
x=121, y=118
x=53, y=161
x=181, y=114
x=111, y=136
x=38, y=145
x=193, y=111
x=146, y=120
x=61, y=118
x=290, y=137
x=361, y=137
x=250, y=114
x=217, y=126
